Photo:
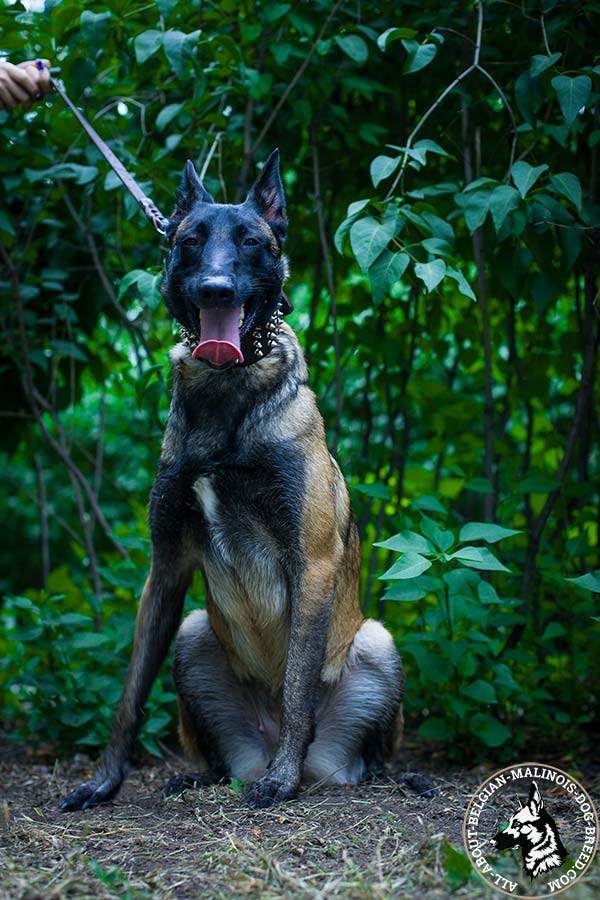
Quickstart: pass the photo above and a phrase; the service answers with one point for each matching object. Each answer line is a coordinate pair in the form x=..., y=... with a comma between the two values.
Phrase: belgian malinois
x=280, y=677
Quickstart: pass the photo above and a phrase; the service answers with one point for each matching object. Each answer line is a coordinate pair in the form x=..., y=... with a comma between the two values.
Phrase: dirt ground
x=373, y=841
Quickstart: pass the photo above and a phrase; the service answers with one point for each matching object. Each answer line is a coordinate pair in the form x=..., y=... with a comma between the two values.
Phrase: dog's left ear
x=267, y=197
x=536, y=801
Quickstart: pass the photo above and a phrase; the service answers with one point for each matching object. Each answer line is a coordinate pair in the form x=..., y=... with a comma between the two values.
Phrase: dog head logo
x=534, y=830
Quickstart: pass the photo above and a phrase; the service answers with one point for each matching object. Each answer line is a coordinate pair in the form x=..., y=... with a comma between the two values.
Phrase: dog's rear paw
x=269, y=791
x=178, y=784
x=419, y=784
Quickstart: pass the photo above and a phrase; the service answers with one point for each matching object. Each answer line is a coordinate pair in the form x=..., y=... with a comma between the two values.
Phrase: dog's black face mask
x=225, y=268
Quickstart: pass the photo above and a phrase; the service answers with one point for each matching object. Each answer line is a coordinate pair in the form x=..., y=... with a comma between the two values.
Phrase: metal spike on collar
x=257, y=343
x=187, y=338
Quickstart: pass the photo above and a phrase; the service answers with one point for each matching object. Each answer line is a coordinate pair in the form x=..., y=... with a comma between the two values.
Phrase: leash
x=150, y=210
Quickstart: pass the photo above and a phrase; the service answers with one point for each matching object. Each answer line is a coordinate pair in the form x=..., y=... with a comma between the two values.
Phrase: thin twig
x=295, y=79
x=43, y=509
x=474, y=65
x=331, y=287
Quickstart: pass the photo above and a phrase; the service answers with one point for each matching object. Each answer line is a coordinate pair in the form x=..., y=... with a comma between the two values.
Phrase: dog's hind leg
x=358, y=716
x=224, y=725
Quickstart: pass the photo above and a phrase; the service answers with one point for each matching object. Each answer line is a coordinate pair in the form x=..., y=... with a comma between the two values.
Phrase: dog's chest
x=239, y=555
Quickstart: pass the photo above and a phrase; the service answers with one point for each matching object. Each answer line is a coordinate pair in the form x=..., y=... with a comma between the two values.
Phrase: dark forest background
x=441, y=168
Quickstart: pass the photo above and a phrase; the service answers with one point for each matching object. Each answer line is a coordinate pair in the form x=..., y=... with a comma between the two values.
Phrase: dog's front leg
x=158, y=617
x=311, y=611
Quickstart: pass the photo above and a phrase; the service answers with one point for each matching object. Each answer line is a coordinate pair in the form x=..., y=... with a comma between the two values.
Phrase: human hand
x=23, y=83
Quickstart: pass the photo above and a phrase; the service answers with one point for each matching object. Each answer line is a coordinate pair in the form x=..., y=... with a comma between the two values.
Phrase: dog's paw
x=178, y=784
x=419, y=784
x=269, y=791
x=99, y=789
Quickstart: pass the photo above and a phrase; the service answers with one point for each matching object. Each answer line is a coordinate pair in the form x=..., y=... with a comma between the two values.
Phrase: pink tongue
x=220, y=336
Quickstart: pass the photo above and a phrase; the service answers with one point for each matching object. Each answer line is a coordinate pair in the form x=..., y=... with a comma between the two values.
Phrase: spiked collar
x=257, y=343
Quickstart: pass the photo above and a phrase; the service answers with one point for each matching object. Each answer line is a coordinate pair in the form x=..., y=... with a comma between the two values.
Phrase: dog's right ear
x=190, y=191
x=536, y=801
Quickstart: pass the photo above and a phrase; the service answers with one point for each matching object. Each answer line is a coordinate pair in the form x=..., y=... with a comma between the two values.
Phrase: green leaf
x=572, y=94
x=480, y=690
x=354, y=47
x=475, y=205
x=553, y=630
x=382, y=167
x=440, y=537
x=435, y=729
x=479, y=485
x=386, y=270
x=525, y=176
x=504, y=199
x=419, y=56
x=378, y=491
x=146, y=44
x=478, y=558
x=429, y=503
x=167, y=114
x=568, y=185
x=354, y=210
x=485, y=531
x=490, y=731
x=457, y=866
x=590, y=581
x=406, y=541
x=88, y=639
x=5, y=224
x=409, y=591
x=431, y=273
x=427, y=145
x=539, y=63
x=463, y=285
x=66, y=171
x=94, y=27
x=131, y=278
x=369, y=238
x=394, y=34
x=178, y=48
x=409, y=565
x=27, y=633
x=537, y=484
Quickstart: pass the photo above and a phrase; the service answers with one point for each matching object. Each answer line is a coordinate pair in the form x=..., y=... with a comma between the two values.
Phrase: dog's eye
x=251, y=242
x=190, y=242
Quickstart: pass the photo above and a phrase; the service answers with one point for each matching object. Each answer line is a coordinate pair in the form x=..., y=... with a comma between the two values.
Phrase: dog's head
x=225, y=267
x=524, y=827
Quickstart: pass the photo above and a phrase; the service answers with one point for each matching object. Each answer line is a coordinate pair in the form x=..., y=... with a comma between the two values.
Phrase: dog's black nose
x=217, y=291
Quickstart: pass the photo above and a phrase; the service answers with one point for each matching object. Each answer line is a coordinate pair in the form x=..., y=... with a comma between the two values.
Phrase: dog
x=534, y=830
x=280, y=678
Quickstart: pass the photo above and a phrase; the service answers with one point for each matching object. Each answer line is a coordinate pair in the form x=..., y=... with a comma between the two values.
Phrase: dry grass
x=366, y=843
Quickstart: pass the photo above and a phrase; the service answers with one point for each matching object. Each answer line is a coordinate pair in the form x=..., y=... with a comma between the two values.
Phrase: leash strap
x=150, y=210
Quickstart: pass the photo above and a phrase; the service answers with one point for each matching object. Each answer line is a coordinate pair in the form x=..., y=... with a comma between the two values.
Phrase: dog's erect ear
x=536, y=801
x=267, y=197
x=191, y=190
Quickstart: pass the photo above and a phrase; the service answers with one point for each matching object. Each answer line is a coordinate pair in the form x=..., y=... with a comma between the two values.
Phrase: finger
x=34, y=63
x=25, y=79
x=6, y=98
x=17, y=93
x=43, y=81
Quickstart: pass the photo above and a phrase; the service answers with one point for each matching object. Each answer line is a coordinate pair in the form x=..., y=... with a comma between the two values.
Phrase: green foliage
x=462, y=205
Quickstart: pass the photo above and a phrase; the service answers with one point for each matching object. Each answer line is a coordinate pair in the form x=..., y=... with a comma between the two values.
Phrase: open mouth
x=221, y=333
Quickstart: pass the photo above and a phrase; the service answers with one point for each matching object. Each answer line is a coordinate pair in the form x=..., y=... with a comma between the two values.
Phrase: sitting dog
x=280, y=677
